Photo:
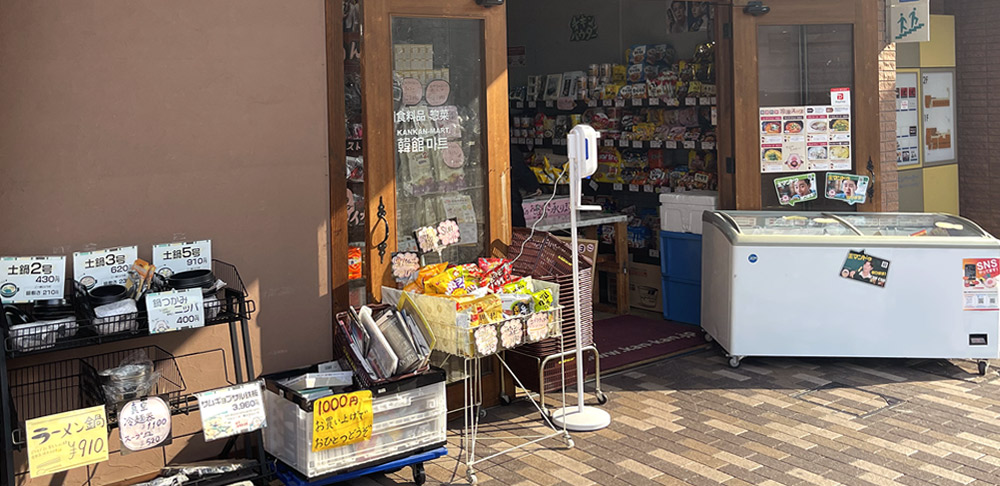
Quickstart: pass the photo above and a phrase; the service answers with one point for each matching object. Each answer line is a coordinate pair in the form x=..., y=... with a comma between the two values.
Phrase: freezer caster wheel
x=482, y=413
x=419, y=475
x=473, y=480
x=601, y=398
x=734, y=361
x=708, y=338
x=983, y=366
x=570, y=444
x=505, y=400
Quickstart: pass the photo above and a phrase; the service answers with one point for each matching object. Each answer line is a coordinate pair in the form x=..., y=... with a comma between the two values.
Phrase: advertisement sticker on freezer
x=795, y=189
x=865, y=268
x=980, y=280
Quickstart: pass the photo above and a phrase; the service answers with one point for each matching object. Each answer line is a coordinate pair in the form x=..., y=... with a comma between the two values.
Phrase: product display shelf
x=232, y=305
x=618, y=102
x=549, y=142
x=58, y=386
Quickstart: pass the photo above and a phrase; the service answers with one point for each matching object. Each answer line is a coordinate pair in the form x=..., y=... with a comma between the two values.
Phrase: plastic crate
x=403, y=421
x=682, y=301
x=680, y=256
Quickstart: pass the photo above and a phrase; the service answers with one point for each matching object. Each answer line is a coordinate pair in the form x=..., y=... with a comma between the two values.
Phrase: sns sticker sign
x=342, y=419
x=981, y=280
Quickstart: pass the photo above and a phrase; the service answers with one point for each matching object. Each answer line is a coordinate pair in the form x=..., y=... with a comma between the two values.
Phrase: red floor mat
x=625, y=341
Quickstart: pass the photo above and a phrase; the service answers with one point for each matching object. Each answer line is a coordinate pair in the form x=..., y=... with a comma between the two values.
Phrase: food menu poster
x=805, y=138
x=907, y=120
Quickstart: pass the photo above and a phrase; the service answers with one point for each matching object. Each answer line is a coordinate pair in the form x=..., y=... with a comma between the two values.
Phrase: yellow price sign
x=343, y=419
x=67, y=440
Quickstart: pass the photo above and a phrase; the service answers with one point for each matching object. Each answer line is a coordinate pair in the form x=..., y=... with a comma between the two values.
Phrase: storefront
x=310, y=165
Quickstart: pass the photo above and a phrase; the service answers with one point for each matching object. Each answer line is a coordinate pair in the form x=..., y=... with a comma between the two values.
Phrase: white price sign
x=232, y=410
x=171, y=258
x=104, y=267
x=144, y=424
x=174, y=310
x=27, y=279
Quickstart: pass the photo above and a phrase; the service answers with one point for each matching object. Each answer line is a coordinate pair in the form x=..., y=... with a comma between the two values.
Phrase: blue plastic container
x=680, y=256
x=682, y=301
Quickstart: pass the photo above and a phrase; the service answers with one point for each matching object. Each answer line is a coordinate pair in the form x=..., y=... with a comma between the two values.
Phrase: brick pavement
x=693, y=420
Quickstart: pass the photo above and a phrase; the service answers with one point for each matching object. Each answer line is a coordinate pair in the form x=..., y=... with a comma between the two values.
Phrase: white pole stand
x=582, y=151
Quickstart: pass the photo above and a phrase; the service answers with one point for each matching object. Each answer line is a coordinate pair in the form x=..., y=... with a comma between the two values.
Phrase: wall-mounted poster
x=805, y=138
x=907, y=120
x=938, y=99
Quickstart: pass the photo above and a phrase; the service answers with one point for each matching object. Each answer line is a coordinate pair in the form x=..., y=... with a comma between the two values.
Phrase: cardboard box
x=645, y=287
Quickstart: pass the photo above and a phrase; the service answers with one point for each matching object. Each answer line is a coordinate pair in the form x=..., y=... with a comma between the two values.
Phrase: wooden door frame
x=380, y=156
x=863, y=15
x=337, y=153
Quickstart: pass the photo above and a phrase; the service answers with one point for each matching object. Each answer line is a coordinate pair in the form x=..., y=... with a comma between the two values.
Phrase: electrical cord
x=555, y=191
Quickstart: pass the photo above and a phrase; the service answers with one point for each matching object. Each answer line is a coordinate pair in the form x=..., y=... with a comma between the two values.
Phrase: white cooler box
x=409, y=417
x=680, y=212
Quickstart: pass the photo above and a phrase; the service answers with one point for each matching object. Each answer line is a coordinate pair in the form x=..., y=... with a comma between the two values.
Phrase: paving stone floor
x=693, y=420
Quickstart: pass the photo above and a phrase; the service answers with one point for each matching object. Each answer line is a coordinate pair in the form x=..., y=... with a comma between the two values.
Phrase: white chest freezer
x=890, y=285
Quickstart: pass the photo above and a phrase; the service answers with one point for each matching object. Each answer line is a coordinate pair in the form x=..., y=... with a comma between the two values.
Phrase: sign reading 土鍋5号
x=342, y=419
x=27, y=279
x=171, y=258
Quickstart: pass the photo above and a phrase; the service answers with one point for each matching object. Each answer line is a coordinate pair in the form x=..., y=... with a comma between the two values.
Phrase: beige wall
x=145, y=121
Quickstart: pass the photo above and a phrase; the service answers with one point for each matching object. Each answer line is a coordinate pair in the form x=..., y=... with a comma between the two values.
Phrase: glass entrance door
x=805, y=83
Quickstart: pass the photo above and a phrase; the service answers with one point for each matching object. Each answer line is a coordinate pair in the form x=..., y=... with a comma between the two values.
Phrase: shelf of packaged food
x=621, y=143
x=232, y=305
x=617, y=102
x=70, y=384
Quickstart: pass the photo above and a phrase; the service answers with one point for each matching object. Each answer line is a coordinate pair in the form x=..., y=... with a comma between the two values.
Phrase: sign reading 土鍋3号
x=342, y=419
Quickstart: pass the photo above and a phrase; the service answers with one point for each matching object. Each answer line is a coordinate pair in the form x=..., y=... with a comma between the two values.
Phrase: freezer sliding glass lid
x=851, y=224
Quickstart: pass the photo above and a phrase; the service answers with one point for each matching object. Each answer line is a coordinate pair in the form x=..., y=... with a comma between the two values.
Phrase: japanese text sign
x=171, y=258
x=27, y=279
x=232, y=410
x=104, y=267
x=342, y=419
x=174, y=310
x=67, y=440
x=144, y=424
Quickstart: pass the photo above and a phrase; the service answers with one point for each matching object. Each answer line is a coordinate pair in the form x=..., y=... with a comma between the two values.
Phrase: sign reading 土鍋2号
x=27, y=279
x=342, y=419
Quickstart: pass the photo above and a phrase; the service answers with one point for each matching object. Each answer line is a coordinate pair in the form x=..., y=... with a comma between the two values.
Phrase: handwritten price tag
x=592, y=104
x=606, y=102
x=636, y=144
x=27, y=279
x=647, y=188
x=232, y=410
x=609, y=143
x=688, y=144
x=144, y=424
x=618, y=186
x=633, y=188
x=67, y=440
x=623, y=143
x=341, y=420
x=171, y=258
x=174, y=310
x=654, y=102
x=104, y=267
x=655, y=144
x=670, y=144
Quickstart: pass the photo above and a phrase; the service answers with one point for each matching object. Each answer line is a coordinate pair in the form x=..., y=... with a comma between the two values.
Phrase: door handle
x=382, y=245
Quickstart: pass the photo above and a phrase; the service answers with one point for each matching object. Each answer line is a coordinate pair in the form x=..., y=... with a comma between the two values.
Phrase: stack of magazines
x=389, y=342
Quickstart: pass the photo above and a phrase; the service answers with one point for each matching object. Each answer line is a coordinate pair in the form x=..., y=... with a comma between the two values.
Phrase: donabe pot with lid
x=107, y=294
x=191, y=279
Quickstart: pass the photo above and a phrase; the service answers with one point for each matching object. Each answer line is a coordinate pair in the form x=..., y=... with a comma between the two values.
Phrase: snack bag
x=637, y=54
x=636, y=74
x=423, y=274
x=520, y=286
x=353, y=263
x=516, y=304
x=542, y=300
x=618, y=73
